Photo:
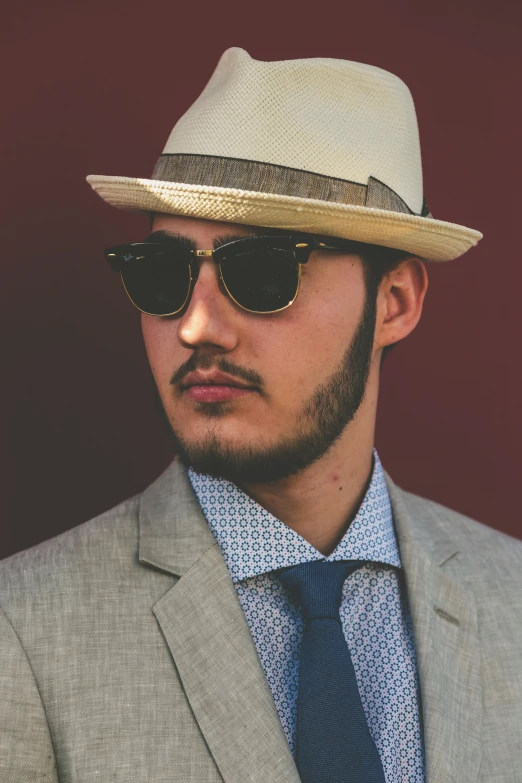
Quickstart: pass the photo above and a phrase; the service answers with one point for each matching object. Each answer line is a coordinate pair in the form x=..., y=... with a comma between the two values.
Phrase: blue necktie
x=333, y=743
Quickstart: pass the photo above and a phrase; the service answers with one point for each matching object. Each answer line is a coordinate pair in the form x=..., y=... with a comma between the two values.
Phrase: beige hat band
x=254, y=176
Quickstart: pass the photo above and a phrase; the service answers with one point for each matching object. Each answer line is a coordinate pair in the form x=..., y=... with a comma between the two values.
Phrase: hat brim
x=430, y=239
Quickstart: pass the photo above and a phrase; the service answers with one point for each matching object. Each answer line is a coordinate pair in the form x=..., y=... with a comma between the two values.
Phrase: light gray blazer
x=125, y=656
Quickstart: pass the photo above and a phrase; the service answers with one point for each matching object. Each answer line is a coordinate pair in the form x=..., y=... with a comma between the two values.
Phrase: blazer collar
x=445, y=626
x=173, y=533
x=205, y=629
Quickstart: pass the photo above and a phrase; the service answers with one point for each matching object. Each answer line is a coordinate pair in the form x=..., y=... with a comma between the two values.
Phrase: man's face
x=290, y=381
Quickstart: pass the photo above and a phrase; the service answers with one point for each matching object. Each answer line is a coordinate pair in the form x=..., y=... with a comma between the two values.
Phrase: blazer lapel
x=205, y=628
x=444, y=616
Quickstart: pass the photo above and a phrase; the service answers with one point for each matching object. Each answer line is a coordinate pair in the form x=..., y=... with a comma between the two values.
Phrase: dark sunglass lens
x=157, y=280
x=263, y=279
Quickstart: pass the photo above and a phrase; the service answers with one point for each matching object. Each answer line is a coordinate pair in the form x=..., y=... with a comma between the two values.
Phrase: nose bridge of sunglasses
x=195, y=265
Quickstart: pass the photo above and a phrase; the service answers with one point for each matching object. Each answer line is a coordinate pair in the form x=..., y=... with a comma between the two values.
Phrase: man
x=272, y=608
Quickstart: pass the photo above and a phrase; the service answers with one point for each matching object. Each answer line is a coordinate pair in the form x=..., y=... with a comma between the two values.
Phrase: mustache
x=206, y=362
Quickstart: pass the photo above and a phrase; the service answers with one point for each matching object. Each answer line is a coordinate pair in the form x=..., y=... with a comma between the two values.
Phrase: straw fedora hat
x=317, y=145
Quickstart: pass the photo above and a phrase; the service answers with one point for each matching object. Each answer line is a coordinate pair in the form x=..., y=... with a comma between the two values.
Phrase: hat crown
x=336, y=118
x=320, y=146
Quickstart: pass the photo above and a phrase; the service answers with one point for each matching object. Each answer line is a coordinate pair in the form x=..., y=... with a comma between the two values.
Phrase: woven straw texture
x=434, y=240
x=277, y=134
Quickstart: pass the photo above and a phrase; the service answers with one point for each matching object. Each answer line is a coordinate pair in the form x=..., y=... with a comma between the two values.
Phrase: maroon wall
x=96, y=88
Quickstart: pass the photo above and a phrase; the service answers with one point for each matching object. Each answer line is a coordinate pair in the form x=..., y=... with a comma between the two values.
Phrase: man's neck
x=320, y=502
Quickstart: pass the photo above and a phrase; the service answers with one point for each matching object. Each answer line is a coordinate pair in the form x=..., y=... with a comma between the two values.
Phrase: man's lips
x=211, y=393
x=214, y=387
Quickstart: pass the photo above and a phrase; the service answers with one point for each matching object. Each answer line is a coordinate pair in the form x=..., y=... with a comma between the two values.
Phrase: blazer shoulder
x=111, y=535
x=468, y=534
x=25, y=738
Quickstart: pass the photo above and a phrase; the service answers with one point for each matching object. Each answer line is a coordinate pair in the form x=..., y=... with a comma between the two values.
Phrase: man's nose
x=211, y=317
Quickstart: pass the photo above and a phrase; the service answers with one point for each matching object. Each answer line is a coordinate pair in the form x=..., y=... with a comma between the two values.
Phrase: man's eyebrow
x=167, y=237
x=224, y=239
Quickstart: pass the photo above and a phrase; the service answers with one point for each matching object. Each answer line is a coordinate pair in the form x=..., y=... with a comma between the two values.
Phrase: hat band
x=251, y=175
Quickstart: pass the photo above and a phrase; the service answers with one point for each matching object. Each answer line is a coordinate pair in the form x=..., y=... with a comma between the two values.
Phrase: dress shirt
x=374, y=611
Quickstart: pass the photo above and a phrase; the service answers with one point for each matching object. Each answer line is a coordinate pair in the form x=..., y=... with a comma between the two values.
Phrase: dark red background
x=96, y=88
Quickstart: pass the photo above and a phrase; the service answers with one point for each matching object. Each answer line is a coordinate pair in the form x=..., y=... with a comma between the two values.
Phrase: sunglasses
x=260, y=274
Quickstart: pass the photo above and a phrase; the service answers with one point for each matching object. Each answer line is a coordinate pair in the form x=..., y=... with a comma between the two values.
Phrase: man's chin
x=226, y=459
x=250, y=462
x=223, y=445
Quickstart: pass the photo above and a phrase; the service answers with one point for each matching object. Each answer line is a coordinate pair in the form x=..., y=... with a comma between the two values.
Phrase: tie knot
x=318, y=586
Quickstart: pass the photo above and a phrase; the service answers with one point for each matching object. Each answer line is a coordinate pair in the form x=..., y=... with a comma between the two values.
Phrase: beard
x=320, y=422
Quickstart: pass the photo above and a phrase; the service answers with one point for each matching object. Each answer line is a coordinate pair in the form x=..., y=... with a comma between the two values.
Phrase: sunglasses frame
x=302, y=247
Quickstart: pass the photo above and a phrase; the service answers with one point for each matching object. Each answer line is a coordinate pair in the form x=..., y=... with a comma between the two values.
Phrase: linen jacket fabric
x=125, y=655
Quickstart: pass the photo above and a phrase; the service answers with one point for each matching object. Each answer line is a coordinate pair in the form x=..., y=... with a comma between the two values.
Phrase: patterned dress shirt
x=374, y=611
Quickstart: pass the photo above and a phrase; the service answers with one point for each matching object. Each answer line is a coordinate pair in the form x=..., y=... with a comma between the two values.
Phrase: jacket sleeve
x=26, y=750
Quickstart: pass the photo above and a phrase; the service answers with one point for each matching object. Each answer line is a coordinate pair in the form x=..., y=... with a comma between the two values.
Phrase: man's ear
x=399, y=301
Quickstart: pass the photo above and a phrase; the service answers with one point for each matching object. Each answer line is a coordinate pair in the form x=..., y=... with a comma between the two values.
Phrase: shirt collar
x=255, y=542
